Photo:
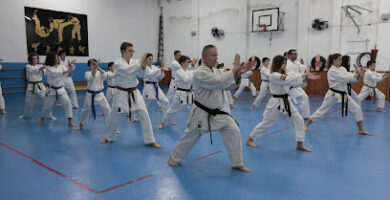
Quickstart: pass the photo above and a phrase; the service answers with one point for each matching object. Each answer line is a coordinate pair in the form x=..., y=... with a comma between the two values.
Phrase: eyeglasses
x=131, y=51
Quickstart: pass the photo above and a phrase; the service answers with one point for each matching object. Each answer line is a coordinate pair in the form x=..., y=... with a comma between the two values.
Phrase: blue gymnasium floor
x=56, y=162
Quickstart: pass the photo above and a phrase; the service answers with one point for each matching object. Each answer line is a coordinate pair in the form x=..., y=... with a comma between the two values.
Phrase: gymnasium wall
x=234, y=17
x=109, y=24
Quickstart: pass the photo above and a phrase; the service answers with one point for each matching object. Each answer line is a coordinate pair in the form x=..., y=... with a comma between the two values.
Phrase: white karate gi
x=298, y=95
x=110, y=87
x=370, y=80
x=95, y=85
x=126, y=77
x=55, y=78
x=69, y=85
x=2, y=103
x=208, y=87
x=35, y=88
x=264, y=87
x=276, y=107
x=151, y=77
x=171, y=91
x=246, y=82
x=338, y=78
x=180, y=99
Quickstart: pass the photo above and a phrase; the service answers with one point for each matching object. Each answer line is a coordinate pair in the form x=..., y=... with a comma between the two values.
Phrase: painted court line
x=332, y=112
x=82, y=185
x=208, y=155
x=277, y=131
x=34, y=160
x=121, y=185
x=72, y=180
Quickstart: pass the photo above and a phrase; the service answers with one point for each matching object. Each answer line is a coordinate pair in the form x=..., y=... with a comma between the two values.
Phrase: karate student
x=280, y=104
x=264, y=87
x=346, y=63
x=69, y=85
x=55, y=81
x=174, y=67
x=111, y=88
x=371, y=77
x=208, y=114
x=35, y=87
x=245, y=82
x=127, y=98
x=338, y=78
x=2, y=103
x=183, y=95
x=298, y=95
x=95, y=78
x=152, y=90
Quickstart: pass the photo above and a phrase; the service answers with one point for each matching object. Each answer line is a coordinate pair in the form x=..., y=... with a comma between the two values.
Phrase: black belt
x=55, y=88
x=285, y=101
x=373, y=92
x=349, y=89
x=34, y=84
x=212, y=112
x=130, y=92
x=94, y=93
x=187, y=90
x=110, y=86
x=344, y=103
x=155, y=85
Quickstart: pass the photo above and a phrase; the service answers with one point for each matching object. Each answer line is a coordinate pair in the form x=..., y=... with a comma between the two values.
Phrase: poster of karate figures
x=49, y=30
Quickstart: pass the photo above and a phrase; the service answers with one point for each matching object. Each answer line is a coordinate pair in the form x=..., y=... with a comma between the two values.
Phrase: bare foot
x=160, y=109
x=155, y=145
x=135, y=120
x=104, y=141
x=3, y=112
x=79, y=128
x=252, y=107
x=242, y=168
x=172, y=163
x=305, y=128
x=364, y=132
x=303, y=148
x=380, y=110
x=161, y=126
x=250, y=143
x=40, y=122
x=173, y=123
x=71, y=124
x=233, y=106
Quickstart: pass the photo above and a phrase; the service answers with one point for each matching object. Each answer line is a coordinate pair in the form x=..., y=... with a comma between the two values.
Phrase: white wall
x=180, y=17
x=109, y=24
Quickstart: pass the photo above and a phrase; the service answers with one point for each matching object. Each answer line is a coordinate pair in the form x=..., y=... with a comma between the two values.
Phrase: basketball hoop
x=262, y=26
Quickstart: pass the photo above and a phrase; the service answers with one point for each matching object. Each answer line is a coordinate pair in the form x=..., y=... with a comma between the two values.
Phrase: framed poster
x=49, y=30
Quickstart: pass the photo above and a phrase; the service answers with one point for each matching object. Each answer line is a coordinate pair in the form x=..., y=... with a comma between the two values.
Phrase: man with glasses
x=298, y=95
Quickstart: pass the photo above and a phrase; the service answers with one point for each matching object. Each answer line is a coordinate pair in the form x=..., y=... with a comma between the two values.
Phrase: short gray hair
x=207, y=48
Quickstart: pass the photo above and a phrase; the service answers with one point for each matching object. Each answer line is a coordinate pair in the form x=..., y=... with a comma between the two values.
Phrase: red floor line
x=277, y=131
x=332, y=112
x=207, y=155
x=109, y=189
x=144, y=177
x=118, y=186
x=82, y=185
x=34, y=160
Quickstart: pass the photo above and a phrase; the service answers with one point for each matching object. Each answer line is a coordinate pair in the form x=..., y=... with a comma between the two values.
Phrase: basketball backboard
x=264, y=20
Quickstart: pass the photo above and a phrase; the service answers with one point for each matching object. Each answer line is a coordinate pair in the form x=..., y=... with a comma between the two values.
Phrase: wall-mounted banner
x=49, y=30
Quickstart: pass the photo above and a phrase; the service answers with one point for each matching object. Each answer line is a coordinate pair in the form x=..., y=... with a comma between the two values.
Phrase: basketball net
x=262, y=26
